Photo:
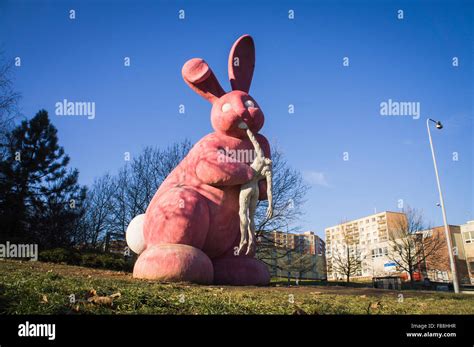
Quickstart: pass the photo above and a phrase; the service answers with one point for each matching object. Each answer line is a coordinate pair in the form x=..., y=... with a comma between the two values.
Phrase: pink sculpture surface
x=191, y=228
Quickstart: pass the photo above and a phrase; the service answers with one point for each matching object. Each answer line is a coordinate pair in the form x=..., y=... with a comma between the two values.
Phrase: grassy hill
x=45, y=288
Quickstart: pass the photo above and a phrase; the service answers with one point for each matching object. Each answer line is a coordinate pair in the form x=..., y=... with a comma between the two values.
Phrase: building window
x=427, y=234
x=469, y=236
x=379, y=252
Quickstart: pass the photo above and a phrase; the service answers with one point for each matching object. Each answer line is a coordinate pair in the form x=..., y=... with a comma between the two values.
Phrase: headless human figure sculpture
x=248, y=197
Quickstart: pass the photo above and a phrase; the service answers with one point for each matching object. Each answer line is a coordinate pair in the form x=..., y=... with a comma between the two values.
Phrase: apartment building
x=368, y=237
x=313, y=243
x=301, y=255
x=437, y=266
x=306, y=242
x=467, y=232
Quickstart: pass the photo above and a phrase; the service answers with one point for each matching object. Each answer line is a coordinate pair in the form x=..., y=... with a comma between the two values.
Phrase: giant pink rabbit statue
x=190, y=231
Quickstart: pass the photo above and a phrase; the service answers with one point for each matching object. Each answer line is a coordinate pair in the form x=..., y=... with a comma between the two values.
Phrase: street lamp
x=441, y=201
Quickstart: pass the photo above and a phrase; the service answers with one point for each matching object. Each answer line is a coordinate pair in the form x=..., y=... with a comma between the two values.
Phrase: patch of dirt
x=72, y=270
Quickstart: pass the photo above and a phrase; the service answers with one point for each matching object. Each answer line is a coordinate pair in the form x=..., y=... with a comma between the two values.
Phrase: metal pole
x=445, y=220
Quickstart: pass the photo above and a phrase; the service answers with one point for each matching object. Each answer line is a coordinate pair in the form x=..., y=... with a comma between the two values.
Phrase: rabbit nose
x=241, y=111
x=244, y=114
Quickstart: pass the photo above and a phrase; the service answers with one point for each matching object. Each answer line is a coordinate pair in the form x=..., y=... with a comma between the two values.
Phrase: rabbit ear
x=199, y=76
x=242, y=63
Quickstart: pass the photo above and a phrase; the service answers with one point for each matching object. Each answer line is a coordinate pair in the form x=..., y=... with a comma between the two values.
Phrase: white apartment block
x=369, y=238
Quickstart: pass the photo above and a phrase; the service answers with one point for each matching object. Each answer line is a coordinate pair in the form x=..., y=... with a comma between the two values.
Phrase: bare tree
x=411, y=242
x=122, y=203
x=9, y=99
x=289, y=192
x=142, y=178
x=97, y=212
x=292, y=255
x=114, y=200
x=346, y=258
x=295, y=262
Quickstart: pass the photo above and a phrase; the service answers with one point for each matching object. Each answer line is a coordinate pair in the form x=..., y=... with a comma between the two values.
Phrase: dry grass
x=44, y=288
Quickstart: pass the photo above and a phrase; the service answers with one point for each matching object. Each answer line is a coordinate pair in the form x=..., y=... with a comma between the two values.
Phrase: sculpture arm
x=269, y=175
x=216, y=169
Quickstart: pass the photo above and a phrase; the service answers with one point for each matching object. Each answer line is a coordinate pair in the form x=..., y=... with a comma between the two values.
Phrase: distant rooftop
x=367, y=216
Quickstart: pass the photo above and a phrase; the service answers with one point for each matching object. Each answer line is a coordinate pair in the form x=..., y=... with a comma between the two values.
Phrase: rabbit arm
x=216, y=170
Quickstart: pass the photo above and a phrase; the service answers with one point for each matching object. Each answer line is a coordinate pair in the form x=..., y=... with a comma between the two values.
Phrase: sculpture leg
x=244, y=199
x=174, y=263
x=251, y=226
x=244, y=225
x=175, y=230
x=240, y=271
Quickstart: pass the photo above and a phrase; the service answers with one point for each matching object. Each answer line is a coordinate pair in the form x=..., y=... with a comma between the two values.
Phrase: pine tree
x=40, y=198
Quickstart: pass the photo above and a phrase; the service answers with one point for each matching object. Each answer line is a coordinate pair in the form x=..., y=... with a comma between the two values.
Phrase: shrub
x=92, y=259
x=60, y=255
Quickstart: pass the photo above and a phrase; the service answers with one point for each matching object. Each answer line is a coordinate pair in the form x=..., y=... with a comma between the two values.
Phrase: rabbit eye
x=249, y=103
x=226, y=107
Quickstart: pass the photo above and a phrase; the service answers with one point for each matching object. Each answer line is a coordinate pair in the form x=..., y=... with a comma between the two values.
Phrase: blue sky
x=299, y=62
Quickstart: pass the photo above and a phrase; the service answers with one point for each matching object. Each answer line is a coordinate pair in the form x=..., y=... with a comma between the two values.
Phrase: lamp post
x=441, y=201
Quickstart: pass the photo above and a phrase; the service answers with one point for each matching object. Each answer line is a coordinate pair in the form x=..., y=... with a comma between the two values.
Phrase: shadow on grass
x=282, y=282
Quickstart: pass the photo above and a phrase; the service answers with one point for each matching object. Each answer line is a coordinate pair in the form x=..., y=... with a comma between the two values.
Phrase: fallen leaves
x=93, y=299
x=374, y=306
x=91, y=293
x=101, y=300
